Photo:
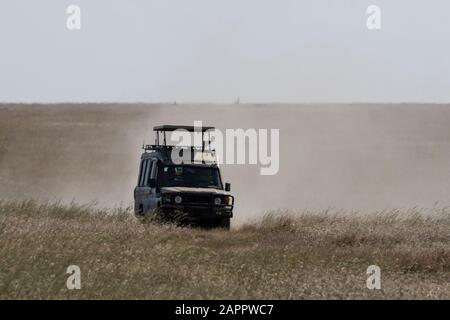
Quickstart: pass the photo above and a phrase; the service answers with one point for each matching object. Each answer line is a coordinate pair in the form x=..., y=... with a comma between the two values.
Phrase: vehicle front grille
x=197, y=198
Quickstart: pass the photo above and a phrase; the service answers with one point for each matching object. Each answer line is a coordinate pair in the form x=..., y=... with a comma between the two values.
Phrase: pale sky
x=218, y=50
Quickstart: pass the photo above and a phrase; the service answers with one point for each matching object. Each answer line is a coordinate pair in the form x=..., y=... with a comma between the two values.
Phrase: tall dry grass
x=312, y=255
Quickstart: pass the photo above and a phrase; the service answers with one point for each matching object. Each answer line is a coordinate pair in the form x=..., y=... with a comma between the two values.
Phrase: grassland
x=346, y=156
x=281, y=256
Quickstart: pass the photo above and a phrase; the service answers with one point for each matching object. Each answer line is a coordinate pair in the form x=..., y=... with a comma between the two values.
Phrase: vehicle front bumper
x=198, y=211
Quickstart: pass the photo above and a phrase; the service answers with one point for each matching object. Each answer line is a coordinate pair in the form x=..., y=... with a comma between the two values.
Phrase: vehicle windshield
x=189, y=176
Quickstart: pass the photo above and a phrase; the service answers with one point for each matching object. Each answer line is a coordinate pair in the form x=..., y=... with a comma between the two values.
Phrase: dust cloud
x=356, y=157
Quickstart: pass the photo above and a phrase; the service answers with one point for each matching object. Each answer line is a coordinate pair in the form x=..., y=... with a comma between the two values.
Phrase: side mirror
x=227, y=186
x=152, y=183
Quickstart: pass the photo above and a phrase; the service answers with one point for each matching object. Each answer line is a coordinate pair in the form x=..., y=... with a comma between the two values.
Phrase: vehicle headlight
x=178, y=199
x=217, y=201
x=229, y=200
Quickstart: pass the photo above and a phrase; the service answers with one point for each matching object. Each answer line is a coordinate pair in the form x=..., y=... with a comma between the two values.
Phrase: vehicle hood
x=193, y=190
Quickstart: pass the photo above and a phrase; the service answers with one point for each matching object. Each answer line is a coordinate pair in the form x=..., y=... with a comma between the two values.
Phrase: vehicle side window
x=148, y=172
x=141, y=169
x=142, y=176
x=154, y=170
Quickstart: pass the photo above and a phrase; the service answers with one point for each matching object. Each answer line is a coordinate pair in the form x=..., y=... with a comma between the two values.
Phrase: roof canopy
x=175, y=127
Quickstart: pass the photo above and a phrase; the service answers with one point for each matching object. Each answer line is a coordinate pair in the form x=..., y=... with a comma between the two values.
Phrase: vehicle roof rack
x=176, y=127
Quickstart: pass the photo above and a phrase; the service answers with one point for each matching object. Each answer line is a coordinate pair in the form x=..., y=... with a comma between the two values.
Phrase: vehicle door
x=138, y=206
x=154, y=197
x=145, y=190
x=141, y=191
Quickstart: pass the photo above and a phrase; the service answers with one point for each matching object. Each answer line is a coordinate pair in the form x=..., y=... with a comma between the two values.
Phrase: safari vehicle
x=193, y=189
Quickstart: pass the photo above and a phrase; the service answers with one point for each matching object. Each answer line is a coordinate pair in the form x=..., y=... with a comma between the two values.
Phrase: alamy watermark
x=73, y=21
x=74, y=280
x=234, y=146
x=374, y=19
x=374, y=277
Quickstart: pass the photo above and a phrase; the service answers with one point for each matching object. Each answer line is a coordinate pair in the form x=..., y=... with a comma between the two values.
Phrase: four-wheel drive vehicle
x=194, y=189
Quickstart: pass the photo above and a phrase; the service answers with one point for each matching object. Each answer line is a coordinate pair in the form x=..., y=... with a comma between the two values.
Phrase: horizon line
x=174, y=103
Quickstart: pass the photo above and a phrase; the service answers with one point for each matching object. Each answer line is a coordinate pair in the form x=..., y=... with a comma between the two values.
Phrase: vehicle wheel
x=224, y=223
x=140, y=211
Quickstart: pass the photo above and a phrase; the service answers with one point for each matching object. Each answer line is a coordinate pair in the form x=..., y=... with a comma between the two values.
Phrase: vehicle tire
x=140, y=211
x=224, y=223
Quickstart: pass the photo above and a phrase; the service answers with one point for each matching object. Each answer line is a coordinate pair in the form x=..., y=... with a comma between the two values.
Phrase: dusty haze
x=361, y=157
